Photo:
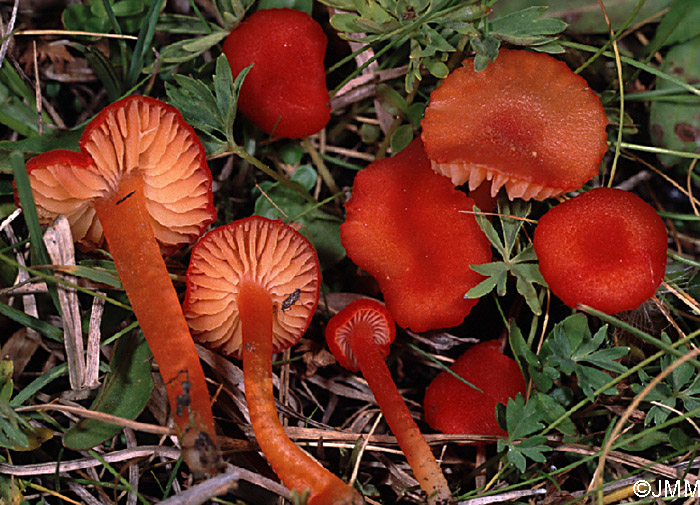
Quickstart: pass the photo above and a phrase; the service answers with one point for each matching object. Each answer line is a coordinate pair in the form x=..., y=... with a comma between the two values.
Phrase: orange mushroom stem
x=359, y=337
x=241, y=279
x=141, y=182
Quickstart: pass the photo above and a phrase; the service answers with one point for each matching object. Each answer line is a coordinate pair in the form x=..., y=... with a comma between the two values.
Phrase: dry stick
x=5, y=31
x=54, y=467
x=100, y=416
x=92, y=365
x=596, y=481
x=365, y=441
x=59, y=245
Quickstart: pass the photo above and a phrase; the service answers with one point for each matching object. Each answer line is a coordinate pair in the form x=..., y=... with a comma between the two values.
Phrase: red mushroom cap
x=361, y=312
x=255, y=249
x=451, y=406
x=605, y=248
x=405, y=225
x=135, y=138
x=285, y=92
x=526, y=122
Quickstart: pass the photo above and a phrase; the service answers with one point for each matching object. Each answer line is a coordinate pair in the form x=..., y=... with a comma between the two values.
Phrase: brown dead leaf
x=54, y=51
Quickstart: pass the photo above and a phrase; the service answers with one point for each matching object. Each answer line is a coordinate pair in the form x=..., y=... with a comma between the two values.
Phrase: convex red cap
x=605, y=248
x=526, y=121
x=405, y=225
x=451, y=406
x=285, y=92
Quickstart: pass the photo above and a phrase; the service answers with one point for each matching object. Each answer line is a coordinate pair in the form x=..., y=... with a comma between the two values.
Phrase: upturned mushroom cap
x=526, y=122
x=139, y=142
x=451, y=406
x=260, y=250
x=412, y=231
x=605, y=248
x=362, y=312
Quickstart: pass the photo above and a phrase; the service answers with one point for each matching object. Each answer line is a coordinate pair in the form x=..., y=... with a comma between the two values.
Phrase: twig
x=92, y=365
x=80, y=464
x=222, y=484
x=59, y=245
x=5, y=31
x=498, y=498
x=101, y=416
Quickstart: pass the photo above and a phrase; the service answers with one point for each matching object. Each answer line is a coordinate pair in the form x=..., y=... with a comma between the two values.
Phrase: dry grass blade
x=59, y=245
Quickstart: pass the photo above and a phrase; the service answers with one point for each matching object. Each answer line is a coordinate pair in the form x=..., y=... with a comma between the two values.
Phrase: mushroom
x=359, y=337
x=451, y=406
x=527, y=122
x=413, y=232
x=285, y=92
x=252, y=288
x=605, y=248
x=141, y=182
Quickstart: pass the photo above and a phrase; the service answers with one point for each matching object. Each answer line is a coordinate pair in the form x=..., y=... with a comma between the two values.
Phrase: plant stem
x=297, y=470
x=154, y=301
x=404, y=428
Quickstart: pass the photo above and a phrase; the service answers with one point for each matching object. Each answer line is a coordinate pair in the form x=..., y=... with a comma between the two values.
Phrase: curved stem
x=295, y=468
x=404, y=428
x=154, y=301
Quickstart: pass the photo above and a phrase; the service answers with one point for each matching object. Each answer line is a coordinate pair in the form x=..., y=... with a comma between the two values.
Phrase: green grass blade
x=26, y=198
x=42, y=327
x=143, y=44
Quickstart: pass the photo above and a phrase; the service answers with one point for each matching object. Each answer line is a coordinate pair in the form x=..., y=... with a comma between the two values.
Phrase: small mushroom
x=605, y=248
x=252, y=288
x=451, y=406
x=141, y=182
x=416, y=235
x=527, y=122
x=285, y=92
x=359, y=337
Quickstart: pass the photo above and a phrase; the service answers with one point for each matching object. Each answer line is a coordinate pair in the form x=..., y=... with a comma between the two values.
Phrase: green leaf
x=36, y=145
x=180, y=24
x=343, y=5
x=105, y=72
x=675, y=125
x=391, y=100
x=552, y=411
x=300, y=5
x=525, y=27
x=129, y=378
x=680, y=24
x=522, y=419
x=321, y=228
x=188, y=49
x=345, y=23
x=401, y=138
